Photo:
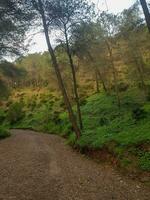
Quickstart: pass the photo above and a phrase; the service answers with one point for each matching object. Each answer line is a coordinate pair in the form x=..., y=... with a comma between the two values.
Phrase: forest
x=92, y=87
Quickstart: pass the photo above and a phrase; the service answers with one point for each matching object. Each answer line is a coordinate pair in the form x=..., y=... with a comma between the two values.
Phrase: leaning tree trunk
x=146, y=13
x=58, y=74
x=74, y=80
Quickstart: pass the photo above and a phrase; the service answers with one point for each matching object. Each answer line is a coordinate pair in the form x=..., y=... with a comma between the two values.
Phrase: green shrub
x=4, y=132
x=144, y=161
x=32, y=104
x=4, y=94
x=138, y=113
x=2, y=115
x=65, y=125
x=123, y=87
x=146, y=108
x=125, y=162
x=71, y=139
x=15, y=112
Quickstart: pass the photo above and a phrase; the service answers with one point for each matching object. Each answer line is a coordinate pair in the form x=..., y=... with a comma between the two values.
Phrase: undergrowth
x=122, y=131
x=4, y=132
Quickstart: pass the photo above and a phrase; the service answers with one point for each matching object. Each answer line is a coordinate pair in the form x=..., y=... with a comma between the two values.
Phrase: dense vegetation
x=104, y=67
x=123, y=132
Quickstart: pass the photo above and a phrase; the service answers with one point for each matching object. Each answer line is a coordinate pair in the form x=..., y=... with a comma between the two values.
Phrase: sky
x=114, y=6
x=38, y=43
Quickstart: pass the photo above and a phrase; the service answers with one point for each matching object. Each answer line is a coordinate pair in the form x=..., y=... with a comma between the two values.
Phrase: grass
x=144, y=161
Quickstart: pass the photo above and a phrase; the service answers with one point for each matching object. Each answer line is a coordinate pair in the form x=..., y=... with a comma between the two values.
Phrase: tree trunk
x=74, y=80
x=97, y=81
x=102, y=80
x=96, y=73
x=146, y=13
x=141, y=77
x=139, y=66
x=116, y=84
x=114, y=73
x=58, y=74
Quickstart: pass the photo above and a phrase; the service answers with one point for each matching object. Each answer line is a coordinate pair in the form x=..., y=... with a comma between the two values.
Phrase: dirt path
x=41, y=167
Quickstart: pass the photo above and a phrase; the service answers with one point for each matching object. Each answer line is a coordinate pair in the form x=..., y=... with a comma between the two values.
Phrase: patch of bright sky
x=114, y=6
x=38, y=43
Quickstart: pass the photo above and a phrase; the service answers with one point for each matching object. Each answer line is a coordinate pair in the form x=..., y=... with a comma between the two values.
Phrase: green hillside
x=100, y=75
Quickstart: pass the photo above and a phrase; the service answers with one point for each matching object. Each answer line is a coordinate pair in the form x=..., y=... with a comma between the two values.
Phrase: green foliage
x=10, y=71
x=15, y=113
x=138, y=113
x=71, y=139
x=144, y=161
x=65, y=125
x=146, y=108
x=104, y=122
x=2, y=115
x=96, y=46
x=105, y=125
x=118, y=150
x=125, y=162
x=4, y=132
x=37, y=112
x=4, y=90
x=118, y=130
x=14, y=22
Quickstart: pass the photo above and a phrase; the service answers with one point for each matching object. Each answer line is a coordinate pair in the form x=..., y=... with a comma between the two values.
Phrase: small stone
x=138, y=186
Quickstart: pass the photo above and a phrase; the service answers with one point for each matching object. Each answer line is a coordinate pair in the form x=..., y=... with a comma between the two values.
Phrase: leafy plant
x=144, y=161
x=15, y=112
x=4, y=132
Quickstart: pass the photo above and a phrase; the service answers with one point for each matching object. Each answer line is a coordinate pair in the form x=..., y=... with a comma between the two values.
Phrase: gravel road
x=36, y=166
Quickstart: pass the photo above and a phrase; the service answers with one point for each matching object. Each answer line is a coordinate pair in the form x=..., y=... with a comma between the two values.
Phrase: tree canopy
x=14, y=22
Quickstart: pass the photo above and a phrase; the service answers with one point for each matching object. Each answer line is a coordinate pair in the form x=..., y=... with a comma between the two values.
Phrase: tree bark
x=139, y=66
x=114, y=73
x=74, y=80
x=58, y=74
x=95, y=70
x=97, y=81
x=146, y=13
x=101, y=78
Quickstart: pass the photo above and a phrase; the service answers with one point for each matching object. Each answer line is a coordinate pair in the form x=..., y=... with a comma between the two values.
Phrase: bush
x=15, y=113
x=65, y=125
x=4, y=94
x=72, y=139
x=4, y=132
x=32, y=104
x=123, y=87
x=138, y=113
x=144, y=161
x=2, y=116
